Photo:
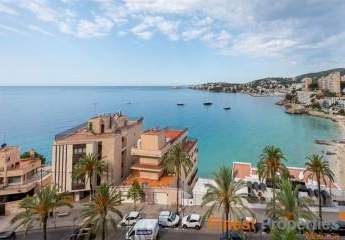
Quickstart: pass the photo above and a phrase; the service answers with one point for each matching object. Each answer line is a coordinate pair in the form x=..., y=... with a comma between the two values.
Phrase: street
x=165, y=234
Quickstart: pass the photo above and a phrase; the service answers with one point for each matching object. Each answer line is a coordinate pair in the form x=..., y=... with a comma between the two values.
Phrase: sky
x=166, y=42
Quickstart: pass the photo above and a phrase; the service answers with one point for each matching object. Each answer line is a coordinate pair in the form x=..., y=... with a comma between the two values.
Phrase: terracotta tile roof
x=173, y=134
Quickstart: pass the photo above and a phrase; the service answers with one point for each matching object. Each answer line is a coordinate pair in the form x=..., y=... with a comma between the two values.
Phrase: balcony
x=23, y=168
x=146, y=167
x=17, y=188
x=138, y=151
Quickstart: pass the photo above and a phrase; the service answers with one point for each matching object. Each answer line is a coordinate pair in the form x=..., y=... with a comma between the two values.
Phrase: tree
x=319, y=169
x=224, y=194
x=270, y=165
x=39, y=206
x=36, y=155
x=26, y=218
x=176, y=161
x=101, y=210
x=90, y=166
x=135, y=192
x=290, y=206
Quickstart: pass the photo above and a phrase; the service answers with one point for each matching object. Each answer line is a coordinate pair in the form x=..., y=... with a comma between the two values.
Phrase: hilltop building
x=330, y=83
x=109, y=136
x=307, y=82
x=160, y=188
x=18, y=177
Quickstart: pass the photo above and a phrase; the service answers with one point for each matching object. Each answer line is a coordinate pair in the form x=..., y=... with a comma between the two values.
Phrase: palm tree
x=223, y=194
x=39, y=206
x=318, y=168
x=270, y=164
x=290, y=206
x=176, y=161
x=135, y=192
x=102, y=210
x=90, y=166
x=25, y=219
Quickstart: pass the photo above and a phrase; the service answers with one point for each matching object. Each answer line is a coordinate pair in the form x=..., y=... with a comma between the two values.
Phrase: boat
x=207, y=103
x=227, y=108
x=180, y=104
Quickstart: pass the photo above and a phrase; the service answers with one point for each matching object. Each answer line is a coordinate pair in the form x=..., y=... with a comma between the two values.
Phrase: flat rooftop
x=170, y=133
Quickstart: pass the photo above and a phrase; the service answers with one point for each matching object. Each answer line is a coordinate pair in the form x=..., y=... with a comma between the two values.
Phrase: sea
x=31, y=116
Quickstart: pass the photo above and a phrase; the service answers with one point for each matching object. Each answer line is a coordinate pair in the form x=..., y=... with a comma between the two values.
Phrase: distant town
x=322, y=91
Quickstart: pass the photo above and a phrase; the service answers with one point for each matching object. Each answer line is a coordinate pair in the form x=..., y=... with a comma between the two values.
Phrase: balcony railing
x=138, y=151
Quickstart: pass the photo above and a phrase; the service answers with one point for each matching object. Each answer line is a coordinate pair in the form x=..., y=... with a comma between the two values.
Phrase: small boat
x=227, y=108
x=180, y=104
x=207, y=103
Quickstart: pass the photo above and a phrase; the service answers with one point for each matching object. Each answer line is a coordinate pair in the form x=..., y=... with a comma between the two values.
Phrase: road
x=64, y=233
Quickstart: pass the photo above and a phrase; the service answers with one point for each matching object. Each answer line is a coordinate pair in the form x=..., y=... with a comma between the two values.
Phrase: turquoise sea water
x=31, y=116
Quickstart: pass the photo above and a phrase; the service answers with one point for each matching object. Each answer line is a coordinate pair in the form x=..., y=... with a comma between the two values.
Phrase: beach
x=337, y=161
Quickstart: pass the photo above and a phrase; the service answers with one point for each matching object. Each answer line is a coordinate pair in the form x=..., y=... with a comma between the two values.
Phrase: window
x=14, y=180
x=79, y=151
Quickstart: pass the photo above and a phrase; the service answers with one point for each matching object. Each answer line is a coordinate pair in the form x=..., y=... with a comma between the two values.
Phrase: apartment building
x=307, y=82
x=330, y=83
x=109, y=136
x=160, y=188
x=18, y=177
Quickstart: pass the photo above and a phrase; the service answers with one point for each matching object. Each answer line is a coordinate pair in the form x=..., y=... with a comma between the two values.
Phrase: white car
x=168, y=219
x=130, y=219
x=192, y=221
x=144, y=229
x=63, y=214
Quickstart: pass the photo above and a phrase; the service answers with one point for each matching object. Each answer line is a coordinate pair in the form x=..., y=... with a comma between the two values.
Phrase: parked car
x=191, y=221
x=341, y=229
x=266, y=225
x=234, y=235
x=8, y=235
x=168, y=219
x=144, y=229
x=130, y=219
x=83, y=233
x=63, y=213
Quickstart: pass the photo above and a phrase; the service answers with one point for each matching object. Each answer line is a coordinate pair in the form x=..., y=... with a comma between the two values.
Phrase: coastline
x=334, y=150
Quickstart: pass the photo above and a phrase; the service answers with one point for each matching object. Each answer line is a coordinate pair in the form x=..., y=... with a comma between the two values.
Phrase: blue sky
x=166, y=42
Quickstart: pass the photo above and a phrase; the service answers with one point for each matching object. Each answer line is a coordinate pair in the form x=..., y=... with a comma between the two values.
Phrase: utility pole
x=41, y=177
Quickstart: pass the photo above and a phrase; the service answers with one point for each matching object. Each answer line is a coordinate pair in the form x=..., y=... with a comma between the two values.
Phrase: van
x=144, y=229
x=168, y=219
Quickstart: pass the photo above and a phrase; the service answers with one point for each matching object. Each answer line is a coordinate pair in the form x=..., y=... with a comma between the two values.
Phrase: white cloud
x=284, y=29
x=40, y=30
x=12, y=29
x=41, y=9
x=7, y=9
x=152, y=24
x=98, y=28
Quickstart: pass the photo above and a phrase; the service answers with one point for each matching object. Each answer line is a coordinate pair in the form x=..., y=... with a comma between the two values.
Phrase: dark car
x=82, y=234
x=234, y=235
x=266, y=225
x=8, y=235
x=341, y=227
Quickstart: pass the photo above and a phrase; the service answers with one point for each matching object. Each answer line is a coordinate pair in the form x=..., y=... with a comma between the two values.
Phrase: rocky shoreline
x=334, y=150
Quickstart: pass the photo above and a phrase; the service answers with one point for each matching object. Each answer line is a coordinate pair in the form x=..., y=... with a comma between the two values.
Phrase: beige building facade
x=307, y=82
x=18, y=176
x=330, y=83
x=147, y=169
x=109, y=136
